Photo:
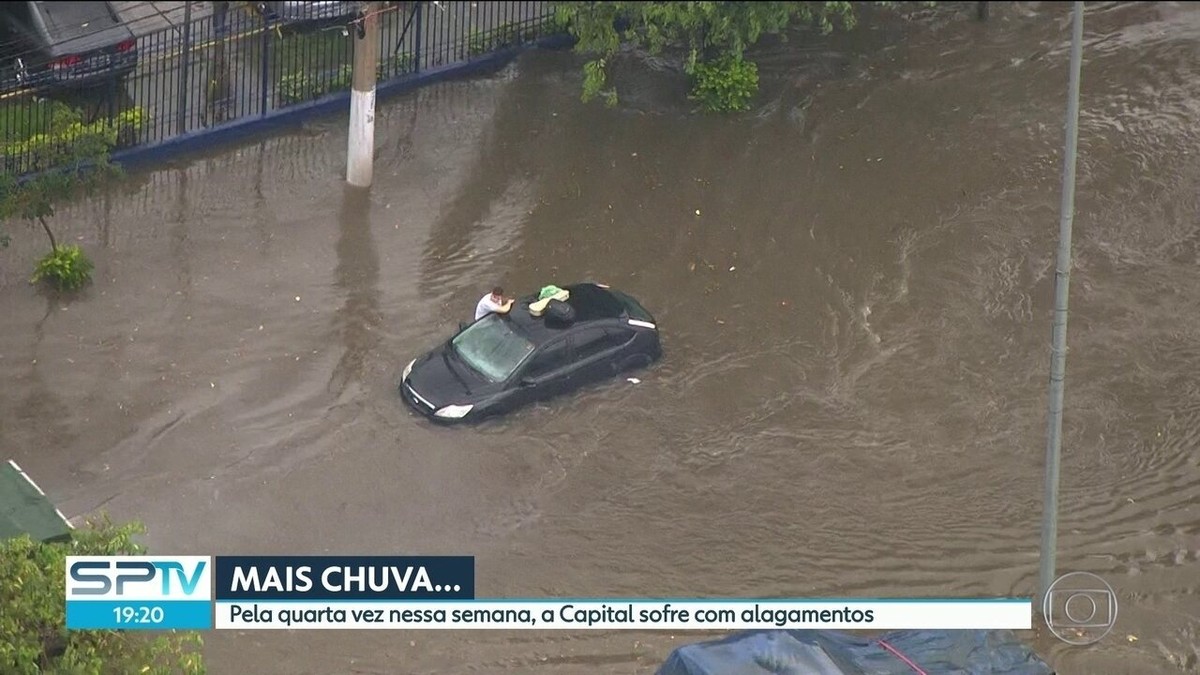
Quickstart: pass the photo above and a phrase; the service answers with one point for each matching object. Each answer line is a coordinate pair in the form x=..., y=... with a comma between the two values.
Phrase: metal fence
x=230, y=63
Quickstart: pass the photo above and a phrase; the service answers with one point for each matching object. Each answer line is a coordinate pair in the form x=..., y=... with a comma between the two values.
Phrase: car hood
x=440, y=379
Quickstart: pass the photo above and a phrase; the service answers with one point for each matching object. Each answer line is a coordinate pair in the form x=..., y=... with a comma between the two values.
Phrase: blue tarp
x=818, y=652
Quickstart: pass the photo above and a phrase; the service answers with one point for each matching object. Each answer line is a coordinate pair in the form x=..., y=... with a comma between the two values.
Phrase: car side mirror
x=528, y=381
x=462, y=325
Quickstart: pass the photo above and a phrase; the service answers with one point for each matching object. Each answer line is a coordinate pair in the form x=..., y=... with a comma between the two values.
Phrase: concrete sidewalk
x=149, y=17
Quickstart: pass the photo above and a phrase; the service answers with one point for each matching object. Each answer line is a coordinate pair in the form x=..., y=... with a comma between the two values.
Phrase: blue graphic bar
x=328, y=578
x=139, y=615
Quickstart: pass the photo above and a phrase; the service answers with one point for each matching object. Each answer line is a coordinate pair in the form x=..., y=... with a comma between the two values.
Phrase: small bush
x=68, y=137
x=561, y=21
x=299, y=87
x=22, y=118
x=295, y=88
x=727, y=84
x=311, y=65
x=394, y=65
x=479, y=43
x=502, y=37
x=67, y=268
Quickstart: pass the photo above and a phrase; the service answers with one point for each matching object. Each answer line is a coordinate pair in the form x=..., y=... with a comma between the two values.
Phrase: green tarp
x=24, y=508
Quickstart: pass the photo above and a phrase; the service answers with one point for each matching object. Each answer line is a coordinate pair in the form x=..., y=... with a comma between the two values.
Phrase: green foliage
x=66, y=268
x=726, y=85
x=397, y=64
x=22, y=118
x=502, y=37
x=66, y=141
x=317, y=64
x=33, y=634
x=595, y=74
x=303, y=86
x=65, y=158
x=312, y=65
x=309, y=85
x=478, y=43
x=708, y=32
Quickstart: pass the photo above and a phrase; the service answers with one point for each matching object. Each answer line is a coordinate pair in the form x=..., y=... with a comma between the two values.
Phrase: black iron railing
x=236, y=61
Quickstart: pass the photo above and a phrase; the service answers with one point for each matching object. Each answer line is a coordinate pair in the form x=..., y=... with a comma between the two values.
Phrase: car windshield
x=491, y=347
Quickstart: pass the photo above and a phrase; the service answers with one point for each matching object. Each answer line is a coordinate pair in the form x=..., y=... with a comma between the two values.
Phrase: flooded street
x=854, y=283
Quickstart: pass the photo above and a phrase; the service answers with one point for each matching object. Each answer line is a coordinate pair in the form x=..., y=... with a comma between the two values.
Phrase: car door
x=595, y=352
x=546, y=374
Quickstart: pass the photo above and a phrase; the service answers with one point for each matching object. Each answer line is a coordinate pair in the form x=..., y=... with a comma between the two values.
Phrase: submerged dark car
x=502, y=362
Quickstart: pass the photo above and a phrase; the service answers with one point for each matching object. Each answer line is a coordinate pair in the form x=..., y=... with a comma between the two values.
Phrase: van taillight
x=127, y=46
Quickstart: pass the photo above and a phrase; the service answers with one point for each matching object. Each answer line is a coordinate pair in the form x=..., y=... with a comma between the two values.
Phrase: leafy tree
x=715, y=36
x=33, y=634
x=68, y=158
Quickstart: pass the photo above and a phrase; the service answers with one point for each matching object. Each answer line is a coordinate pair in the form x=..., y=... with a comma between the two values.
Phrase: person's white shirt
x=486, y=306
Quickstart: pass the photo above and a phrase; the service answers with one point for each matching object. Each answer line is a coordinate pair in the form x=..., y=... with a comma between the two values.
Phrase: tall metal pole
x=1062, y=286
x=360, y=151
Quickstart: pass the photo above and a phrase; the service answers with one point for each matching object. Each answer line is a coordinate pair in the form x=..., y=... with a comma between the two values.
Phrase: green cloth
x=549, y=292
x=25, y=510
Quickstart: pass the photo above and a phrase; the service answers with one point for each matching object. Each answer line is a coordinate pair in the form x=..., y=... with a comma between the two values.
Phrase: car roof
x=592, y=304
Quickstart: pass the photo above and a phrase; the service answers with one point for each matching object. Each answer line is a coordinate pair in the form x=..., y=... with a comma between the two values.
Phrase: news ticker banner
x=438, y=593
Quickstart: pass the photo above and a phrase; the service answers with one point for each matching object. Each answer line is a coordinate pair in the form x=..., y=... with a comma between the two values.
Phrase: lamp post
x=1062, y=287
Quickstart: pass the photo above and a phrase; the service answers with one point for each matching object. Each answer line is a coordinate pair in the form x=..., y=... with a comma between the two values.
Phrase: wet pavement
x=854, y=280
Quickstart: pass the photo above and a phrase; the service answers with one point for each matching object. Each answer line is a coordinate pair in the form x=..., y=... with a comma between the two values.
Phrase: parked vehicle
x=502, y=362
x=297, y=12
x=63, y=45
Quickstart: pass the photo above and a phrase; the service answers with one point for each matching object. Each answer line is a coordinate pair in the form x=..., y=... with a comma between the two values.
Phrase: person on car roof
x=492, y=302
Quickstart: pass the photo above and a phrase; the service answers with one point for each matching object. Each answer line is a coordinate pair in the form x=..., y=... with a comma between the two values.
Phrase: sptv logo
x=135, y=592
x=147, y=578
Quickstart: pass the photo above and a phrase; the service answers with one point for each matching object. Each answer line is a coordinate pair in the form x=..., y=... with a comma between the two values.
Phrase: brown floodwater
x=854, y=282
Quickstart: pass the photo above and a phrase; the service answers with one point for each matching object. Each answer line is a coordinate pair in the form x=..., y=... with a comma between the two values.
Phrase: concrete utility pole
x=1058, y=362
x=185, y=71
x=360, y=152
